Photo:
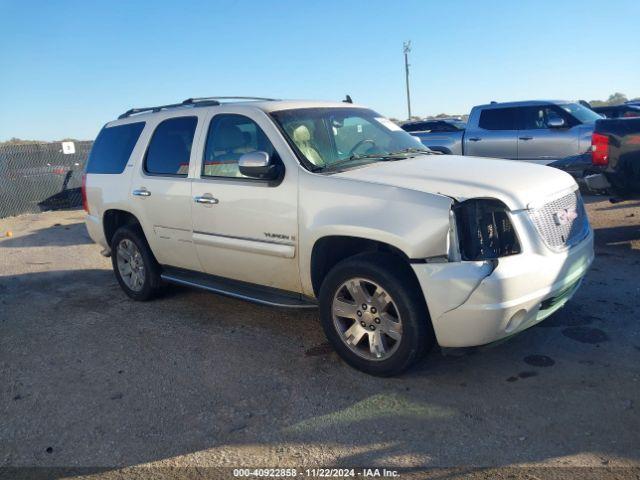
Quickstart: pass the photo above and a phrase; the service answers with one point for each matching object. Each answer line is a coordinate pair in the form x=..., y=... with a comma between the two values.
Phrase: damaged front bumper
x=475, y=303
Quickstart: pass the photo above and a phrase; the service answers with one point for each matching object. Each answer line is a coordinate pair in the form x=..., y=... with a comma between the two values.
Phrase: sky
x=68, y=67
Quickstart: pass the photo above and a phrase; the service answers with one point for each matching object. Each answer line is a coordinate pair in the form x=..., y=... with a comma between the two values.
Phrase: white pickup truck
x=331, y=205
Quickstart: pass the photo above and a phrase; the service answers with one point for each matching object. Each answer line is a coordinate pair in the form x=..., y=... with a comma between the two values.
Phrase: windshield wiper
x=354, y=158
x=412, y=150
x=385, y=157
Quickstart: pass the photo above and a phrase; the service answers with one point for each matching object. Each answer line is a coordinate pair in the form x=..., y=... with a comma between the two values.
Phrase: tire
x=149, y=284
x=376, y=273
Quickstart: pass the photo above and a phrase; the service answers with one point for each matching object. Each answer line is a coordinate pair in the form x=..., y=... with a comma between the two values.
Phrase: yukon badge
x=278, y=236
x=565, y=216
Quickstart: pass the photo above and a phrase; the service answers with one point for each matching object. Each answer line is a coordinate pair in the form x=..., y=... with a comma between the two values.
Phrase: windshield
x=582, y=114
x=333, y=137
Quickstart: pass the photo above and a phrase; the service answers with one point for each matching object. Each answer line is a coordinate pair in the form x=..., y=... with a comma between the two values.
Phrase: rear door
x=538, y=142
x=161, y=191
x=495, y=136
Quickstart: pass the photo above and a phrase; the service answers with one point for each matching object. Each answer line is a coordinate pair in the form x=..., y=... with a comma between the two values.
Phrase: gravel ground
x=89, y=378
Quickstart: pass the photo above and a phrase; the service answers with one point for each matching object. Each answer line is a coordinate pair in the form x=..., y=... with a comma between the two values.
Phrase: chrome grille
x=562, y=222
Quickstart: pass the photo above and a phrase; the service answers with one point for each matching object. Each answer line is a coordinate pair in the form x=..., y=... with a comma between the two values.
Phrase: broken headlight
x=482, y=230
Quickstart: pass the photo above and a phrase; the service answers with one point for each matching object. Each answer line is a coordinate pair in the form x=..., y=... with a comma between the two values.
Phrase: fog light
x=515, y=321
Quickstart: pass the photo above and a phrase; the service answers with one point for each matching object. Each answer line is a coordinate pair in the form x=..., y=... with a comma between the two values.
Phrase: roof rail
x=133, y=111
x=190, y=101
x=195, y=102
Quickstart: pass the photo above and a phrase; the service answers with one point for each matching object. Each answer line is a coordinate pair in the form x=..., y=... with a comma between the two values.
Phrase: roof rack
x=194, y=102
x=206, y=99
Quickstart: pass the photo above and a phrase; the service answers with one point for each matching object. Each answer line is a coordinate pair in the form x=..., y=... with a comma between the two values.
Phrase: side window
x=498, y=119
x=535, y=118
x=443, y=127
x=170, y=147
x=230, y=136
x=113, y=147
x=418, y=127
x=428, y=126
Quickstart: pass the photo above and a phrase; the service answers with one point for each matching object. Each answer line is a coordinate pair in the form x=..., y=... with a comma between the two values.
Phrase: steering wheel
x=360, y=143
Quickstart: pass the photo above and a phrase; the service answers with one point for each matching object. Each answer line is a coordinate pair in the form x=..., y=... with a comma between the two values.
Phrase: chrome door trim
x=264, y=247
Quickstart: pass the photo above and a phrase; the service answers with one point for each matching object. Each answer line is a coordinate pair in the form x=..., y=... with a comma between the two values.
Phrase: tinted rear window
x=170, y=147
x=498, y=119
x=113, y=147
x=414, y=127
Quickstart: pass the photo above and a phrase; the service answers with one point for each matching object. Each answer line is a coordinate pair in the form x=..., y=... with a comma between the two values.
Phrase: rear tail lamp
x=484, y=230
x=85, y=205
x=599, y=149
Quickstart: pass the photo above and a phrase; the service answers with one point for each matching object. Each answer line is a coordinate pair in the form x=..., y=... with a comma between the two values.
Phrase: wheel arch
x=329, y=250
x=113, y=219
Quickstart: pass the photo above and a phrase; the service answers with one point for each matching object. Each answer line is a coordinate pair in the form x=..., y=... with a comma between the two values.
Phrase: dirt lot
x=90, y=378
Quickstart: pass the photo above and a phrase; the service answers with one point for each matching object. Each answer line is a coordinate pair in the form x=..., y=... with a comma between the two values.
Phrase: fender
x=414, y=222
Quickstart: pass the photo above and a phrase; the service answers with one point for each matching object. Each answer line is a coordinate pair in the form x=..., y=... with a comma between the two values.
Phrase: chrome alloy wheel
x=367, y=319
x=130, y=265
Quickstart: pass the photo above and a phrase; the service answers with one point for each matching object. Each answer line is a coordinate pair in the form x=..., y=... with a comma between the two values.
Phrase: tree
x=615, y=99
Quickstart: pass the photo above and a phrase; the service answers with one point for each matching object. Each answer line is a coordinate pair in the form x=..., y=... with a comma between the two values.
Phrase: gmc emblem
x=565, y=216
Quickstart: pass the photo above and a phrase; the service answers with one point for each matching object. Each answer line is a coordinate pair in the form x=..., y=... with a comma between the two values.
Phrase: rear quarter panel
x=112, y=191
x=623, y=171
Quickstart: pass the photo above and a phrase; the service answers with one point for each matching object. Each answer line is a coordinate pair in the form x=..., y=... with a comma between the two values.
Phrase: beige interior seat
x=302, y=139
x=229, y=145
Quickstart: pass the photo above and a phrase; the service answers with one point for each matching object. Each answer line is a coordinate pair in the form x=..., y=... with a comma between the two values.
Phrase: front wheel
x=374, y=314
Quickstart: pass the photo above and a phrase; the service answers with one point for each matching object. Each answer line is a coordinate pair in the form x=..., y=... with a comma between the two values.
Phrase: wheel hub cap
x=130, y=265
x=367, y=319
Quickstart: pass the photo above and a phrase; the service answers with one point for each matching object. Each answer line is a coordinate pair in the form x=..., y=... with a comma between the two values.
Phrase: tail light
x=85, y=205
x=599, y=149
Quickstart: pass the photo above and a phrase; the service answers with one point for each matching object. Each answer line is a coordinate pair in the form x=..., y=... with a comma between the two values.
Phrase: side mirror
x=258, y=165
x=556, y=122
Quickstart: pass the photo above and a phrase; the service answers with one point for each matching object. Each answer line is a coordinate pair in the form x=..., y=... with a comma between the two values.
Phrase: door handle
x=525, y=138
x=475, y=139
x=206, y=199
x=141, y=192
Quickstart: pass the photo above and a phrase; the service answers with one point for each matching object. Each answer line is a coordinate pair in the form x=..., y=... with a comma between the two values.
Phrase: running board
x=236, y=289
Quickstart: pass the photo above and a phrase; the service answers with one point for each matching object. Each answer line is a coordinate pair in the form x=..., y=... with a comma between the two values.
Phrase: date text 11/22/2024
x=316, y=472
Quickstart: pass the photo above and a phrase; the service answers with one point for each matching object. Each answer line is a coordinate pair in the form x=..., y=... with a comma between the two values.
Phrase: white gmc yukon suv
x=331, y=205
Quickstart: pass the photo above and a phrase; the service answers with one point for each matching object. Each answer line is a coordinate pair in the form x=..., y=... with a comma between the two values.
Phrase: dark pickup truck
x=615, y=157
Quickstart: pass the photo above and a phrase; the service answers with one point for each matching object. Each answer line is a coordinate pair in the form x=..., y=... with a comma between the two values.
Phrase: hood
x=513, y=182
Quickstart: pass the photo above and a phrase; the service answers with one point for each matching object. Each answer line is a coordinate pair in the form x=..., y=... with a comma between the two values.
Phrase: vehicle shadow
x=619, y=206
x=57, y=235
x=618, y=237
x=91, y=378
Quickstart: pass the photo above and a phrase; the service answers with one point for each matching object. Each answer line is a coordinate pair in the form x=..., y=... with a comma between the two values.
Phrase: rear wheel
x=134, y=265
x=374, y=314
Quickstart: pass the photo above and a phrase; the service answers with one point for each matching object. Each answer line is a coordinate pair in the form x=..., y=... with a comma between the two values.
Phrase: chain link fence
x=41, y=176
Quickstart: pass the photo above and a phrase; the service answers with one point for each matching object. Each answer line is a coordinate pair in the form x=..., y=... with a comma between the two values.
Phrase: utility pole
x=407, y=48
